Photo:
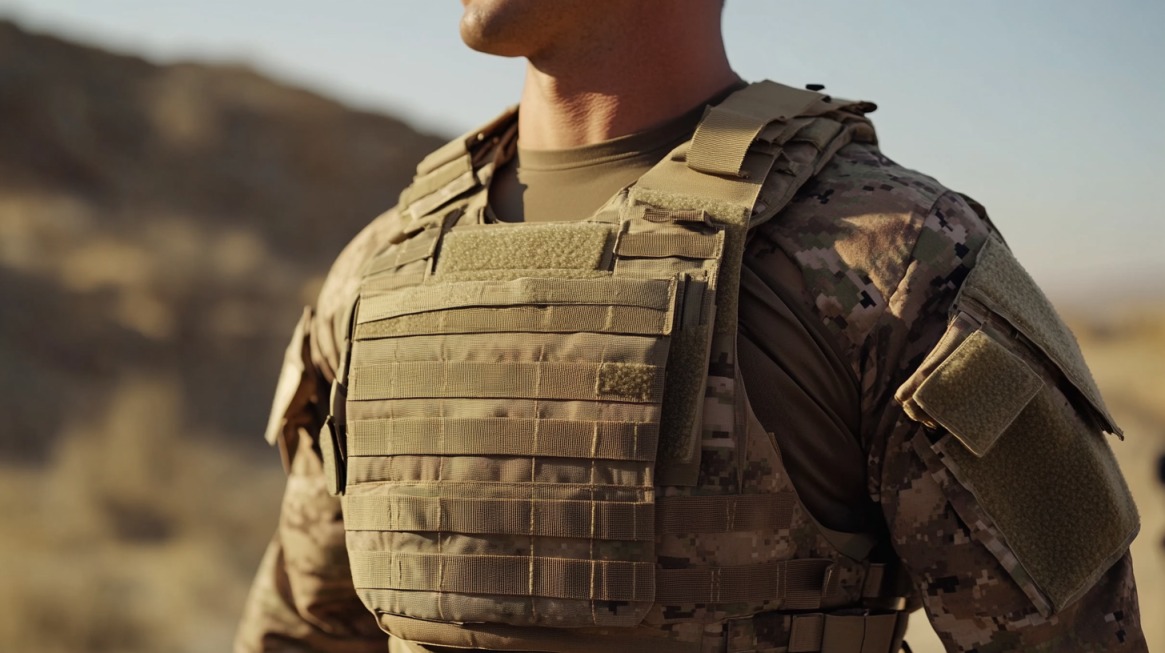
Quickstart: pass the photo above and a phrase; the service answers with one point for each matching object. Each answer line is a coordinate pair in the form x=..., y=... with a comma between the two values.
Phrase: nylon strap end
x=729, y=129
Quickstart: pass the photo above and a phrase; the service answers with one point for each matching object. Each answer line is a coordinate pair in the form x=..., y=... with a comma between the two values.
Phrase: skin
x=600, y=69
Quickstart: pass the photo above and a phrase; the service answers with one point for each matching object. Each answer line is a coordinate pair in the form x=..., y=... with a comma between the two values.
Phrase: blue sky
x=1046, y=111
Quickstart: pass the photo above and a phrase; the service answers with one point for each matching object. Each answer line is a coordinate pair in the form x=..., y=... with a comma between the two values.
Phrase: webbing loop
x=798, y=584
x=729, y=128
x=836, y=633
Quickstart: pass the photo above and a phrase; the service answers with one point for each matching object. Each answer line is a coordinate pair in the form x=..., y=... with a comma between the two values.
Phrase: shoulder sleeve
x=885, y=254
x=1000, y=493
x=302, y=597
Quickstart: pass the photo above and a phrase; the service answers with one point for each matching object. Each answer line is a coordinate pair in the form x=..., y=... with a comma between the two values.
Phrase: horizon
x=1067, y=176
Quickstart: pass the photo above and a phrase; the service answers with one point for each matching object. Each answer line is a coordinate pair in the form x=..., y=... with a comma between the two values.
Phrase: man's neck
x=615, y=92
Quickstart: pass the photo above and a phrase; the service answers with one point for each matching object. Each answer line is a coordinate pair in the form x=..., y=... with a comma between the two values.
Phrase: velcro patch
x=570, y=246
x=978, y=391
x=1001, y=283
x=1009, y=385
x=627, y=380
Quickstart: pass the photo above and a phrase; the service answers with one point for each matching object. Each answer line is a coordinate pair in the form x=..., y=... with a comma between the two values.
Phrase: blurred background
x=175, y=179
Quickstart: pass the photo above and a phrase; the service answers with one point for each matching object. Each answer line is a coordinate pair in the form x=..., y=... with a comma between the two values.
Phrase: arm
x=302, y=598
x=977, y=595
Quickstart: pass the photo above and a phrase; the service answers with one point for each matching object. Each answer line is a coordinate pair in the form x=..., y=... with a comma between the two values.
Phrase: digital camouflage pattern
x=882, y=251
x=887, y=312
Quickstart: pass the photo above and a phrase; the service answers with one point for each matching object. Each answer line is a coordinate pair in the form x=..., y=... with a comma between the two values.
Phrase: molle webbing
x=503, y=515
x=545, y=318
x=503, y=436
x=448, y=172
x=525, y=413
x=846, y=633
x=611, y=520
x=657, y=294
x=797, y=584
x=633, y=382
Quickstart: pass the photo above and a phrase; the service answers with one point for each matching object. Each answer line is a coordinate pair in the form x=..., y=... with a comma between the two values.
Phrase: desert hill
x=167, y=220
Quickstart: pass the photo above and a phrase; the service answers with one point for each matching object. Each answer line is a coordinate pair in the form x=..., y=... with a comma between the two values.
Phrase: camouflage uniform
x=882, y=252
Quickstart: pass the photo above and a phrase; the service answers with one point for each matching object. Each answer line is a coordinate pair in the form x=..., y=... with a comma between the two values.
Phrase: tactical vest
x=539, y=430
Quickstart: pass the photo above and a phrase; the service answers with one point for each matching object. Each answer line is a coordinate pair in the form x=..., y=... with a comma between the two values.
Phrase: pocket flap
x=978, y=391
x=1000, y=284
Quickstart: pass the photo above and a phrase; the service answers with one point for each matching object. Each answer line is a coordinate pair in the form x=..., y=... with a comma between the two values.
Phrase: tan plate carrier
x=540, y=433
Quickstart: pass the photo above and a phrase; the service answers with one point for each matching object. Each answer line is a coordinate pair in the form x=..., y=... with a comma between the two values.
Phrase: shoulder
x=876, y=242
x=341, y=286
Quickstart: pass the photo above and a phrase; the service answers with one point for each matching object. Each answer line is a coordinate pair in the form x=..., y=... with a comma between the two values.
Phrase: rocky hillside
x=166, y=222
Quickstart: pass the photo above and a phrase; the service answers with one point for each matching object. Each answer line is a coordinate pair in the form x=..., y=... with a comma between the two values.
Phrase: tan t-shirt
x=796, y=381
x=570, y=184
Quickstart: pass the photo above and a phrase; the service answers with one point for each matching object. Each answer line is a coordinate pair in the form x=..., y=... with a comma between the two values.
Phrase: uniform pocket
x=1021, y=426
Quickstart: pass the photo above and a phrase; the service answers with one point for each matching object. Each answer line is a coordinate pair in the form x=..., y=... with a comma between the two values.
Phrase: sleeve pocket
x=1019, y=423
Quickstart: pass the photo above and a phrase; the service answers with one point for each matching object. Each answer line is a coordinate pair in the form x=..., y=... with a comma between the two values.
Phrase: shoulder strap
x=449, y=170
x=748, y=157
x=766, y=134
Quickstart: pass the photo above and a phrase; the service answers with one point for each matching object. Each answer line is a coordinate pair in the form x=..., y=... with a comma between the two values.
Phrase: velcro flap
x=1032, y=470
x=978, y=391
x=1000, y=284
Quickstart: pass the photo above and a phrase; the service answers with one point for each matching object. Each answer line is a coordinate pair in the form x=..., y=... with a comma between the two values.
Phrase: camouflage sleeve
x=302, y=598
x=974, y=602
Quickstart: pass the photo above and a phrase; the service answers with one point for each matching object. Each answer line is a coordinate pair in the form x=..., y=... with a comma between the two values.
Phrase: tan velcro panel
x=545, y=247
x=1001, y=283
x=1007, y=385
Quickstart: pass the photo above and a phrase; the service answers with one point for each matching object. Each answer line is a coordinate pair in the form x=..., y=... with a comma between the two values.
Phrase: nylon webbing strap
x=439, y=177
x=448, y=171
x=631, y=382
x=498, y=490
x=797, y=584
x=599, y=580
x=832, y=633
x=421, y=206
x=420, y=246
x=726, y=132
x=645, y=293
x=656, y=245
x=503, y=436
x=601, y=520
x=723, y=514
x=630, y=320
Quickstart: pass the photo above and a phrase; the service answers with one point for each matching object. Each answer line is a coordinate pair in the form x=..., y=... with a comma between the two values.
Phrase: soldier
x=625, y=372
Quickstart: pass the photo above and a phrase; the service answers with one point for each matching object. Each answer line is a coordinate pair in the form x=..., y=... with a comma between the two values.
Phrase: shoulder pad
x=1019, y=423
x=450, y=170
